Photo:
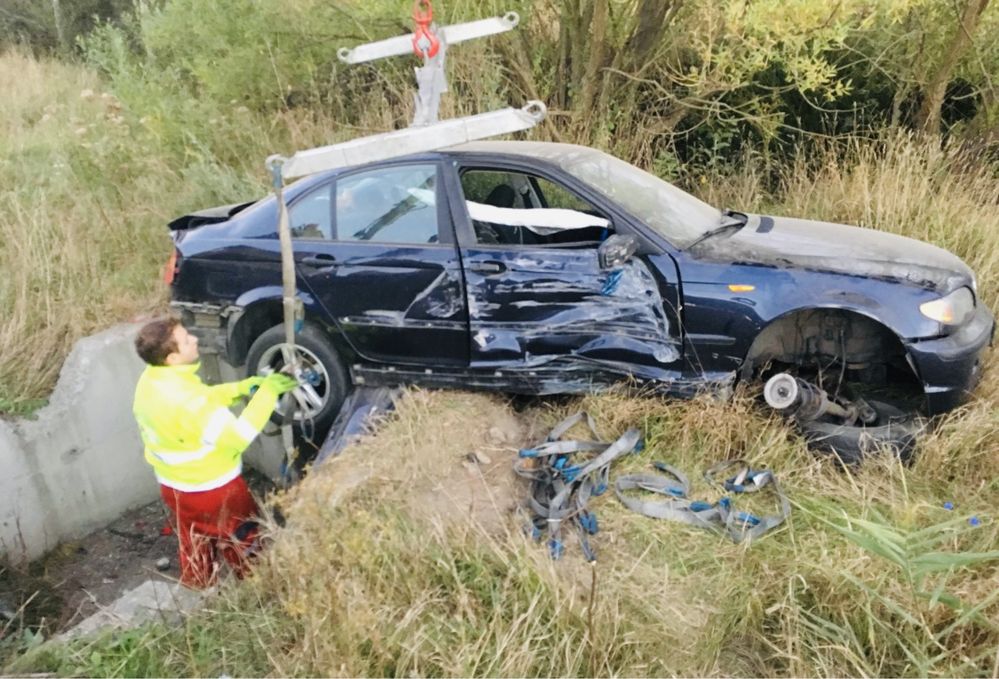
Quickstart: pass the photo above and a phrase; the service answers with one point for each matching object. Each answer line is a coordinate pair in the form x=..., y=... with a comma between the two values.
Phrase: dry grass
x=948, y=196
x=81, y=235
x=402, y=558
x=398, y=581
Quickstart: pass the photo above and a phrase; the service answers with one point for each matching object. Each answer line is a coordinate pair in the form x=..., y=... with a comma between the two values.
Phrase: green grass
x=20, y=406
x=390, y=565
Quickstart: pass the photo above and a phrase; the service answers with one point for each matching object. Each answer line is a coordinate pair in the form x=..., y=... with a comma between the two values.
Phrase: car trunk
x=213, y=215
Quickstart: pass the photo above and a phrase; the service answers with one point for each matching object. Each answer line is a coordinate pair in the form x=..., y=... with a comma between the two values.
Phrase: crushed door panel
x=529, y=307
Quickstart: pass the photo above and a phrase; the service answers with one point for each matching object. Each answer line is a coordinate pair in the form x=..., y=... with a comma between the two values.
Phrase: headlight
x=953, y=309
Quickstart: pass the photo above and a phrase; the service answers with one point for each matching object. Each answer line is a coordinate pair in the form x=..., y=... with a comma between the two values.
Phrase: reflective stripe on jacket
x=191, y=438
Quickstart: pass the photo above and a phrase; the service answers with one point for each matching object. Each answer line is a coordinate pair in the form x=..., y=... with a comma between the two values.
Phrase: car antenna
x=425, y=133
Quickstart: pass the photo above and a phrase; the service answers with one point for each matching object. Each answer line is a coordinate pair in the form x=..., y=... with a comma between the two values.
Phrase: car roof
x=551, y=152
x=546, y=150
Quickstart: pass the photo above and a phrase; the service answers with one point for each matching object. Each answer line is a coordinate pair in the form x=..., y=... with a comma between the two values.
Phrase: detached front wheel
x=891, y=430
x=319, y=399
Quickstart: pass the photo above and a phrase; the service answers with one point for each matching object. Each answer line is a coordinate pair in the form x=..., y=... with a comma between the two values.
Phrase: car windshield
x=678, y=216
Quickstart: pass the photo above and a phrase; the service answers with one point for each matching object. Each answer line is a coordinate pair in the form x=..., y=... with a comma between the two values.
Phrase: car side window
x=388, y=205
x=515, y=208
x=555, y=196
x=496, y=188
x=311, y=216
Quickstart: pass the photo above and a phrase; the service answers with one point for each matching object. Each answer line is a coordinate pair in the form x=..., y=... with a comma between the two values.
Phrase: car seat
x=487, y=233
x=504, y=196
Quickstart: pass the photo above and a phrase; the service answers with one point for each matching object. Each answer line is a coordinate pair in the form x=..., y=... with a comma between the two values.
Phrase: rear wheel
x=318, y=400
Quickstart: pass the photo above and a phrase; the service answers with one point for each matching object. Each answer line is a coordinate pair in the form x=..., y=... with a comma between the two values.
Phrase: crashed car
x=550, y=268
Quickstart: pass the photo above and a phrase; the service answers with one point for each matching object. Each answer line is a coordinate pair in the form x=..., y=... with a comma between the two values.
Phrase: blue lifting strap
x=718, y=516
x=562, y=485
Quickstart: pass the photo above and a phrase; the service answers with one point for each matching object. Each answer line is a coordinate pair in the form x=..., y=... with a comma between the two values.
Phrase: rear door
x=377, y=249
x=537, y=296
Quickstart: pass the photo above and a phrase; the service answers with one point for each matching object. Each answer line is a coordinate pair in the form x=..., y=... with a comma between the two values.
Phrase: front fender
x=823, y=331
x=728, y=305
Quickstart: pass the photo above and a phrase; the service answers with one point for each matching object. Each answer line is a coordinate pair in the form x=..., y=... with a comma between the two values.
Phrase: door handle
x=318, y=260
x=489, y=268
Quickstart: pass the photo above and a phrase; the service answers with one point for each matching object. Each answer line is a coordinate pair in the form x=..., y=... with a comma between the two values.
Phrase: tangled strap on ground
x=561, y=489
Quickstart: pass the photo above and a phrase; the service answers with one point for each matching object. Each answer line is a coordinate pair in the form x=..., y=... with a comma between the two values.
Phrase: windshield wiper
x=730, y=219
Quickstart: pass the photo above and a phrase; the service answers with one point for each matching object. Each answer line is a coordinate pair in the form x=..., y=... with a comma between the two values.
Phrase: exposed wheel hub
x=807, y=402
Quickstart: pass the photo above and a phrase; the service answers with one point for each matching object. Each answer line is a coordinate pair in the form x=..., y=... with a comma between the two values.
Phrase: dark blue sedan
x=551, y=268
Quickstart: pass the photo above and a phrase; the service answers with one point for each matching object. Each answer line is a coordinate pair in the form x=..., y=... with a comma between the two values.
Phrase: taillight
x=172, y=267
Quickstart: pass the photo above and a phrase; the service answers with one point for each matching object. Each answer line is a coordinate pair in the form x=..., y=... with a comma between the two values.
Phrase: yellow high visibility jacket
x=191, y=438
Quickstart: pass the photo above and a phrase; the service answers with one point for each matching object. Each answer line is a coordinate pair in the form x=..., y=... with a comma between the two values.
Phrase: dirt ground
x=79, y=577
x=70, y=583
x=96, y=569
x=445, y=458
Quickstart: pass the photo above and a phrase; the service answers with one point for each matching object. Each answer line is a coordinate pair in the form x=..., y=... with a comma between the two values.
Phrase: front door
x=377, y=249
x=537, y=295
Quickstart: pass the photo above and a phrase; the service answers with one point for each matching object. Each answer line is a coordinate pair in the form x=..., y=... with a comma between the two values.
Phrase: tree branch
x=929, y=116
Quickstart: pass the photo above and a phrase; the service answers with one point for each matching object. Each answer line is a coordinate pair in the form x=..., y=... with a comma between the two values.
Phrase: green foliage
x=42, y=24
x=699, y=80
x=233, y=50
x=231, y=53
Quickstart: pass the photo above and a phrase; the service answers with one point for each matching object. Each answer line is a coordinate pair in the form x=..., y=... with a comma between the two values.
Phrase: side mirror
x=616, y=250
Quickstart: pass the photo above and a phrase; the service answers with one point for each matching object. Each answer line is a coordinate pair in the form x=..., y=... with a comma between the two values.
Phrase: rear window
x=388, y=205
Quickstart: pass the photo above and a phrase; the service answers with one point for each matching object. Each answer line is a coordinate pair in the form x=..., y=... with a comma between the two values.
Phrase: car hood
x=838, y=248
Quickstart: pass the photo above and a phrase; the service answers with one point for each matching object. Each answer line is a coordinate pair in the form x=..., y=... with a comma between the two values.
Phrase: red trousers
x=211, y=523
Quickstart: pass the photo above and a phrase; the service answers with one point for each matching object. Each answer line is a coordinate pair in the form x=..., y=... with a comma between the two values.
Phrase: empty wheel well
x=829, y=337
x=254, y=320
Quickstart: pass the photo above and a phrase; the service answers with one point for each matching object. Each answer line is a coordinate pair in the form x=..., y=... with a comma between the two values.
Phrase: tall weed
x=85, y=192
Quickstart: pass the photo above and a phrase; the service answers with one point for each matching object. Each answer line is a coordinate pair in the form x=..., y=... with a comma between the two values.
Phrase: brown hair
x=155, y=340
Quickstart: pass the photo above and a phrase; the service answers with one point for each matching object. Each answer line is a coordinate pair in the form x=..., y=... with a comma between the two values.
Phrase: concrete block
x=77, y=464
x=150, y=601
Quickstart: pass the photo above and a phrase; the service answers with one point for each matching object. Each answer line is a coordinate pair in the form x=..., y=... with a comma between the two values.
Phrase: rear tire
x=893, y=430
x=317, y=353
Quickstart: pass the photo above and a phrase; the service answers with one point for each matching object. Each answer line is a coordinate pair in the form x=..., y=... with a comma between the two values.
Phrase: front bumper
x=949, y=367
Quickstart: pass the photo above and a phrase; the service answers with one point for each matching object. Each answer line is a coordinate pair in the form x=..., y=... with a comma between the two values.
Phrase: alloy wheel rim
x=311, y=398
